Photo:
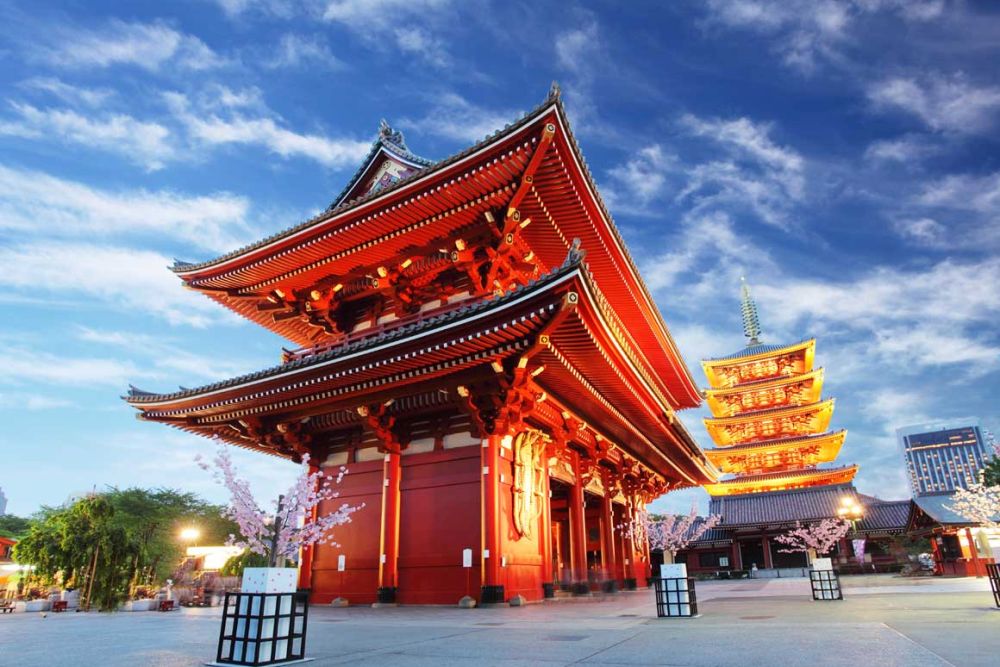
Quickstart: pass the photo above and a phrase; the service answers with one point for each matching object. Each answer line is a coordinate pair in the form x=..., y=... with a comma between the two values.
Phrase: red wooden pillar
x=766, y=543
x=974, y=551
x=548, y=583
x=936, y=552
x=608, y=554
x=388, y=568
x=628, y=543
x=736, y=556
x=492, y=588
x=578, y=532
x=306, y=553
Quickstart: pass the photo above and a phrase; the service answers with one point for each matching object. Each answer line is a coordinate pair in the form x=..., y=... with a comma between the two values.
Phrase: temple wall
x=359, y=539
x=439, y=516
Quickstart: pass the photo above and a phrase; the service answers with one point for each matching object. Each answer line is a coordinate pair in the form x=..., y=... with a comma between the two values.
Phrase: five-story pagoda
x=769, y=421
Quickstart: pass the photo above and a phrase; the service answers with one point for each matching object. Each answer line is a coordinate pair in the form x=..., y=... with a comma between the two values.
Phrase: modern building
x=475, y=343
x=943, y=456
x=3, y=503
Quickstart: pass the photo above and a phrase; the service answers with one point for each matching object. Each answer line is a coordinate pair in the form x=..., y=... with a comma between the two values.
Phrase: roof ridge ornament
x=387, y=134
x=554, y=91
x=751, y=321
x=576, y=253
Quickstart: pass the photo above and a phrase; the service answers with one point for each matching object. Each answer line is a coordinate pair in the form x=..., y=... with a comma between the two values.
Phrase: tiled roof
x=756, y=348
x=884, y=516
x=341, y=206
x=937, y=507
x=777, y=507
x=137, y=396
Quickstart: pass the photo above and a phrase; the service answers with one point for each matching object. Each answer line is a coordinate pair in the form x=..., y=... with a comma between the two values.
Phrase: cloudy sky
x=842, y=154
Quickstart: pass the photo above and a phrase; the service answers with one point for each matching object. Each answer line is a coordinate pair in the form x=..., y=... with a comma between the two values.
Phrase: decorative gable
x=388, y=162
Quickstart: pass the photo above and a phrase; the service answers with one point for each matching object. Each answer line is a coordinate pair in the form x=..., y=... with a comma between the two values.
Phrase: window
x=708, y=560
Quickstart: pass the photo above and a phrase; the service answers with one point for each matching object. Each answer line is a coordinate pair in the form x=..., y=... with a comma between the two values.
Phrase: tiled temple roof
x=884, y=516
x=937, y=507
x=758, y=348
x=137, y=396
x=781, y=506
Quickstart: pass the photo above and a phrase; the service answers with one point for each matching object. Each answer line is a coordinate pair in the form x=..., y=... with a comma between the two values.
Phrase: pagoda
x=769, y=422
x=471, y=339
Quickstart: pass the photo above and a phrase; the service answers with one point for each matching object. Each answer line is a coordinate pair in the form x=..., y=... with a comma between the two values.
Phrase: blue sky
x=843, y=154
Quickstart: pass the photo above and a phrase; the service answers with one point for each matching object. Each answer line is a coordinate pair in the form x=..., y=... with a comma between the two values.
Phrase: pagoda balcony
x=772, y=455
x=782, y=481
x=760, y=362
x=792, y=390
x=771, y=424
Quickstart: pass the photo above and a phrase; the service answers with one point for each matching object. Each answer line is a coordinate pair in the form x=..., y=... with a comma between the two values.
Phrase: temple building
x=472, y=340
x=770, y=428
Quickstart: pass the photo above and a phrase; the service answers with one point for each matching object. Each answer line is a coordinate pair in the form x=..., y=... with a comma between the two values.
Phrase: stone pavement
x=922, y=628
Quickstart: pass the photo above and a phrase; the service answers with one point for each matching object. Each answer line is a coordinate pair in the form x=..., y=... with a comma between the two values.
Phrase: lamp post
x=851, y=511
x=190, y=535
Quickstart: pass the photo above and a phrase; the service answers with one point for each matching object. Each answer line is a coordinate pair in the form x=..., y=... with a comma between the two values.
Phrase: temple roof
x=809, y=504
x=389, y=144
x=761, y=349
x=938, y=508
x=748, y=484
x=137, y=397
x=884, y=516
x=445, y=200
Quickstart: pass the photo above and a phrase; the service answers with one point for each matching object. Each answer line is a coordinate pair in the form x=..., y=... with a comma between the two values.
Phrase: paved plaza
x=882, y=621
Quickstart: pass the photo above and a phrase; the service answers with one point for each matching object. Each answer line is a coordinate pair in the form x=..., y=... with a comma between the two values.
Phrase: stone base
x=609, y=586
x=630, y=584
x=492, y=595
x=340, y=602
x=386, y=595
x=467, y=602
x=581, y=588
x=518, y=601
x=548, y=590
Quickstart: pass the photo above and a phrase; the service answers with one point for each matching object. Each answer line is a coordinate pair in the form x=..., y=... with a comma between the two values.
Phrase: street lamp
x=190, y=535
x=851, y=511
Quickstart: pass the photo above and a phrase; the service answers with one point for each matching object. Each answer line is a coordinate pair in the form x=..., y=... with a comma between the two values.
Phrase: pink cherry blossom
x=672, y=533
x=300, y=523
x=821, y=536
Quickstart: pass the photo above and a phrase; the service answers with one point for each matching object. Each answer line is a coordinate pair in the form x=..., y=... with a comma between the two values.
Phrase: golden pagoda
x=769, y=422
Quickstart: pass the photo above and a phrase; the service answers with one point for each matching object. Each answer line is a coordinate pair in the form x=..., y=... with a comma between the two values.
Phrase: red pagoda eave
x=563, y=176
x=626, y=400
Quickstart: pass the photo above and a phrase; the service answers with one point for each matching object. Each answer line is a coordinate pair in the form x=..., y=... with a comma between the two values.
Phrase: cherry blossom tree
x=291, y=525
x=979, y=504
x=817, y=538
x=672, y=533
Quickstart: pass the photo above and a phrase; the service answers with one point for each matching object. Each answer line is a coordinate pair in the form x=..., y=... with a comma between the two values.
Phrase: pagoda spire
x=751, y=322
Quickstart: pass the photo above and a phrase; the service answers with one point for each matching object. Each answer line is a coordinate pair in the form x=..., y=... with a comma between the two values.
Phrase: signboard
x=673, y=571
x=466, y=557
x=822, y=564
x=341, y=563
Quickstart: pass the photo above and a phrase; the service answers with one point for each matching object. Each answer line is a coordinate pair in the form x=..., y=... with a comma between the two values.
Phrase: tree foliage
x=14, y=526
x=235, y=565
x=673, y=533
x=821, y=536
x=124, y=537
x=991, y=473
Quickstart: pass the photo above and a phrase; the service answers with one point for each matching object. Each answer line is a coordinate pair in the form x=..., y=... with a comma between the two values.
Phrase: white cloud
x=454, y=117
x=925, y=231
x=24, y=365
x=150, y=46
x=146, y=144
x=907, y=150
x=73, y=210
x=133, y=280
x=751, y=139
x=638, y=181
x=299, y=51
x=30, y=401
x=164, y=359
x=207, y=127
x=807, y=33
x=408, y=24
x=943, y=103
x=73, y=95
x=963, y=192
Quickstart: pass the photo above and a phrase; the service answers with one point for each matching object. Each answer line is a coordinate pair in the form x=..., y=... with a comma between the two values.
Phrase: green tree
x=991, y=473
x=124, y=537
x=235, y=565
x=14, y=526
